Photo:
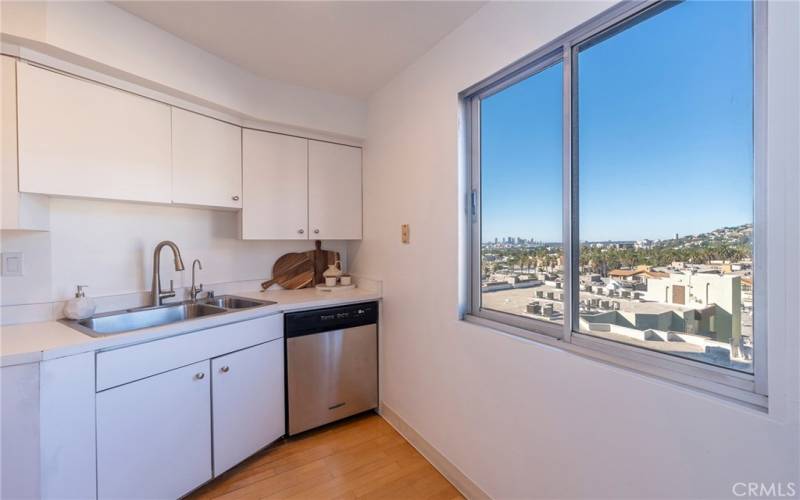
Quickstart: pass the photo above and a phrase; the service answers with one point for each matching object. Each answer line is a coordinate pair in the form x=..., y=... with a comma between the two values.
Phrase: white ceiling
x=348, y=48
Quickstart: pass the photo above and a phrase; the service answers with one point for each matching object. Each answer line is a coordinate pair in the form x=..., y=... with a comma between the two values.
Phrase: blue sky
x=665, y=133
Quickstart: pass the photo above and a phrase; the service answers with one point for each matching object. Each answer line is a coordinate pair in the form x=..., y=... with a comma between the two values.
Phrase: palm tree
x=513, y=260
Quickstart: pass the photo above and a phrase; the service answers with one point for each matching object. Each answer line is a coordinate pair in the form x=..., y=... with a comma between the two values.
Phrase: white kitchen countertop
x=33, y=342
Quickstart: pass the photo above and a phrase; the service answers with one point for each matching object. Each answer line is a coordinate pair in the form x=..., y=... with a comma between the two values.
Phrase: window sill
x=717, y=382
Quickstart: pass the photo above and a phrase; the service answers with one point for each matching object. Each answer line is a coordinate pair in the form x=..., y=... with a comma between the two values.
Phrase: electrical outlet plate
x=12, y=264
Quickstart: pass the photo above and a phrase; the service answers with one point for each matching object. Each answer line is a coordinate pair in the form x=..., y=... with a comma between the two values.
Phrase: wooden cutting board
x=321, y=260
x=292, y=271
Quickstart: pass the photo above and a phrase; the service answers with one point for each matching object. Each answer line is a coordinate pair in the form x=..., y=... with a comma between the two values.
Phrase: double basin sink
x=112, y=323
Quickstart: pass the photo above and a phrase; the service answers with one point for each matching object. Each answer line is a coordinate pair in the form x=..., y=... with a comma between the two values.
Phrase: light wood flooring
x=361, y=457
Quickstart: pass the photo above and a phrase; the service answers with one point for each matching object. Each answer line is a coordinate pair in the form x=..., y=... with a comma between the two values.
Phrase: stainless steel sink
x=119, y=322
x=234, y=302
x=115, y=322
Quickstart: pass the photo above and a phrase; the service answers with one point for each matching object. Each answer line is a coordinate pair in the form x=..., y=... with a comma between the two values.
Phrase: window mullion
x=567, y=199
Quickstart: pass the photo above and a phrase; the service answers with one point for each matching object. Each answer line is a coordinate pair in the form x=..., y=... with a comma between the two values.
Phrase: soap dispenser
x=80, y=307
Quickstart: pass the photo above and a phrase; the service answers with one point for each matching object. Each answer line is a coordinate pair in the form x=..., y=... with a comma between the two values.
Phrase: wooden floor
x=362, y=457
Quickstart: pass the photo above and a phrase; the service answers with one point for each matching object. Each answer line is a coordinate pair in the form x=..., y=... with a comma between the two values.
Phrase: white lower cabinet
x=247, y=395
x=162, y=431
x=142, y=421
x=47, y=429
x=154, y=435
x=19, y=431
x=68, y=431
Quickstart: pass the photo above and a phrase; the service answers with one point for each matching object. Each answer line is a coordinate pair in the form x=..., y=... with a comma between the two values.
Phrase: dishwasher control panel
x=332, y=318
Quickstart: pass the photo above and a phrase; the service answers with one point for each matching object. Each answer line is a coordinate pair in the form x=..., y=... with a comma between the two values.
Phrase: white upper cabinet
x=275, y=186
x=78, y=138
x=19, y=210
x=334, y=191
x=206, y=161
x=83, y=139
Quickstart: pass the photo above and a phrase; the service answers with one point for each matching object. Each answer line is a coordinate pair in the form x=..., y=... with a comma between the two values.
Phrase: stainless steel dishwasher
x=331, y=364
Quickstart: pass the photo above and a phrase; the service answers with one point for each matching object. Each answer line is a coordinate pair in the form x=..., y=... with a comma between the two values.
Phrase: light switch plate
x=12, y=264
x=405, y=234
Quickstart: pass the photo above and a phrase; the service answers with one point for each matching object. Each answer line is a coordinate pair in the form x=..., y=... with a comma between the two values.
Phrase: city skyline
x=501, y=239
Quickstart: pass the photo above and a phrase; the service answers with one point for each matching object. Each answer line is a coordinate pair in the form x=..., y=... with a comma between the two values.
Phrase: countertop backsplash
x=109, y=247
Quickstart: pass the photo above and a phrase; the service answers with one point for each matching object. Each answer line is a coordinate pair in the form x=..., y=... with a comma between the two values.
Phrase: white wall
x=521, y=419
x=101, y=36
x=109, y=246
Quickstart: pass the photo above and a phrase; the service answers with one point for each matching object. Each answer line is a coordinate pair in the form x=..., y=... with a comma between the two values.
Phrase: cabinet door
x=206, y=161
x=275, y=186
x=84, y=139
x=68, y=431
x=154, y=435
x=17, y=210
x=248, y=402
x=19, y=438
x=334, y=191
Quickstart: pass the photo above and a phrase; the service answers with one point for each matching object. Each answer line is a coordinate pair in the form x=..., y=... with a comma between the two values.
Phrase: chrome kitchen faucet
x=157, y=296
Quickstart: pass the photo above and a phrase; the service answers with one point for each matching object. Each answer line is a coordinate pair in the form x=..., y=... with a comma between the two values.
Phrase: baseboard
x=453, y=474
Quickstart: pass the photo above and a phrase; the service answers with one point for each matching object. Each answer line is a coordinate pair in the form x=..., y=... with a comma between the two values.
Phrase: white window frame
x=750, y=389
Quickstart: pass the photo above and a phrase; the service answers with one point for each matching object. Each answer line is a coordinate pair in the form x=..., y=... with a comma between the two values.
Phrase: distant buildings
x=747, y=292
x=507, y=282
x=701, y=291
x=512, y=242
x=698, y=306
x=619, y=245
x=638, y=273
x=691, y=314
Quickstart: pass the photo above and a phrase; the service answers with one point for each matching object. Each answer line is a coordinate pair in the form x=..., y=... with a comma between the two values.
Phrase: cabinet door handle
x=301, y=231
x=225, y=369
x=316, y=231
x=199, y=375
x=235, y=198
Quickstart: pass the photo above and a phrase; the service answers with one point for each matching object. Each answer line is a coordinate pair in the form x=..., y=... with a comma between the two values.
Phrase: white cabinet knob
x=316, y=231
x=199, y=375
x=235, y=198
x=301, y=231
x=225, y=369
